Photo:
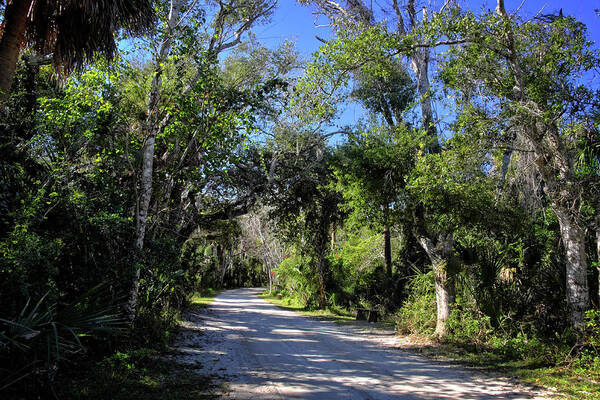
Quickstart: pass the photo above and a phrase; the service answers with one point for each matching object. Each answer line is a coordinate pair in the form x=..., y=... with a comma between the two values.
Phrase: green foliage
x=296, y=280
x=70, y=172
x=588, y=360
x=45, y=335
x=418, y=313
x=359, y=279
x=370, y=171
x=452, y=188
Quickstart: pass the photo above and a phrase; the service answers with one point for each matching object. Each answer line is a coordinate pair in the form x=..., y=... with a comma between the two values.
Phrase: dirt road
x=265, y=352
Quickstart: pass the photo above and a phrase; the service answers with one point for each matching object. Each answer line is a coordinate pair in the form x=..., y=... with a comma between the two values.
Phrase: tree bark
x=439, y=255
x=387, y=250
x=562, y=188
x=573, y=237
x=13, y=36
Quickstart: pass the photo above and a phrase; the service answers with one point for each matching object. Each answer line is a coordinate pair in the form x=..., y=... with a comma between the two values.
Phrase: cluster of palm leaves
x=45, y=333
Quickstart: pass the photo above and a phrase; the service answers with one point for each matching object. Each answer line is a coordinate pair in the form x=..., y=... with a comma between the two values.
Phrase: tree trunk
x=152, y=128
x=420, y=66
x=419, y=63
x=321, y=250
x=439, y=255
x=332, y=229
x=555, y=167
x=444, y=295
x=506, y=158
x=387, y=244
x=270, y=275
x=573, y=237
x=560, y=186
x=15, y=26
x=321, y=271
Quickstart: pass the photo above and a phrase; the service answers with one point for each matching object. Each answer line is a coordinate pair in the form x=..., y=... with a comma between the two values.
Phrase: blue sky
x=297, y=22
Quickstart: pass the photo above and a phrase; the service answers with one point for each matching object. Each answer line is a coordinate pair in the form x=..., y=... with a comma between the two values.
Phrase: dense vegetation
x=197, y=158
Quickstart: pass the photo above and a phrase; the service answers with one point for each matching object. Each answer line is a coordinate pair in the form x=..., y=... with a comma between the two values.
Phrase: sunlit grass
x=337, y=315
x=203, y=298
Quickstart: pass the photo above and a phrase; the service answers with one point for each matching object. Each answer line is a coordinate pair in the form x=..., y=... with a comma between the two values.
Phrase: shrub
x=588, y=360
x=418, y=313
x=296, y=280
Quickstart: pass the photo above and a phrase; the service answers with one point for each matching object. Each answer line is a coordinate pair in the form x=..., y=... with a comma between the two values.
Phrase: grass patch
x=140, y=374
x=338, y=316
x=203, y=298
x=566, y=381
x=332, y=315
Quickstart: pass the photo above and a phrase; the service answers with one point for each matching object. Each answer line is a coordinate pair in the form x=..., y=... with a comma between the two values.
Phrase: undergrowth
x=140, y=374
x=569, y=361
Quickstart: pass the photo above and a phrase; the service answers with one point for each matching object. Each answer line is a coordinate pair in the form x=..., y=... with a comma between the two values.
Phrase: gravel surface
x=264, y=352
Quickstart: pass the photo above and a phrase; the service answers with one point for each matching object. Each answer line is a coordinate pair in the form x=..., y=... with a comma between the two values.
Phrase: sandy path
x=265, y=352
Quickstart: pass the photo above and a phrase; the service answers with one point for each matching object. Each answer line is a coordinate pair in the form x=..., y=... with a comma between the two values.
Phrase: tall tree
x=302, y=201
x=183, y=27
x=370, y=170
x=530, y=71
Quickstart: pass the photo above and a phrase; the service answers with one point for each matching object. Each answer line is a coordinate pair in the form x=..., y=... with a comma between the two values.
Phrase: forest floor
x=253, y=349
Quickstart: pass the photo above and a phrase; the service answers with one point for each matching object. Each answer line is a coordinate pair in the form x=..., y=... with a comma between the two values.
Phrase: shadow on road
x=269, y=353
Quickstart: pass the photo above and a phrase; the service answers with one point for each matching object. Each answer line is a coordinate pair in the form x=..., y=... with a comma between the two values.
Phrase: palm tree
x=71, y=31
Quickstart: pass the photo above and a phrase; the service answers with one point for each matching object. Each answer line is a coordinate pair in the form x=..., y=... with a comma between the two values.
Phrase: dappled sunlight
x=270, y=353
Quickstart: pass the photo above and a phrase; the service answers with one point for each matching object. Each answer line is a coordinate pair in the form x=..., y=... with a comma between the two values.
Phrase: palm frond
x=74, y=31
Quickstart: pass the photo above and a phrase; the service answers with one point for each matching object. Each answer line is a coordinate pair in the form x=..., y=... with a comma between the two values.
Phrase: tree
x=364, y=46
x=528, y=73
x=301, y=200
x=357, y=16
x=370, y=171
x=450, y=195
x=70, y=31
x=231, y=21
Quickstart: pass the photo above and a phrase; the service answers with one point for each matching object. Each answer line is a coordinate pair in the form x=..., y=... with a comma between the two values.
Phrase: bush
x=588, y=361
x=467, y=325
x=418, y=313
x=296, y=280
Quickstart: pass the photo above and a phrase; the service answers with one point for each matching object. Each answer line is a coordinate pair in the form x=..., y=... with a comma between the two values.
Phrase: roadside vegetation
x=169, y=151
x=336, y=315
